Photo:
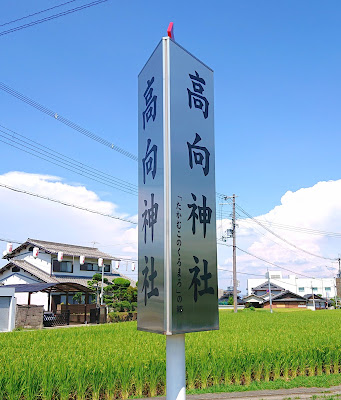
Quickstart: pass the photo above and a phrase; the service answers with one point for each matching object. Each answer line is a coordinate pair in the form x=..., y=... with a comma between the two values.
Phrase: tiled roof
x=84, y=280
x=31, y=269
x=67, y=249
x=292, y=297
x=43, y=276
x=265, y=286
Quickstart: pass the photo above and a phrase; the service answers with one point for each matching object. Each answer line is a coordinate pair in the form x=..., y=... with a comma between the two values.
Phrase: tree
x=230, y=301
x=78, y=297
x=96, y=283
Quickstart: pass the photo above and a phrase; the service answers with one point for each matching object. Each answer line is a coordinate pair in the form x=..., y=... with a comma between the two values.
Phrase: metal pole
x=270, y=299
x=102, y=284
x=175, y=367
x=235, y=299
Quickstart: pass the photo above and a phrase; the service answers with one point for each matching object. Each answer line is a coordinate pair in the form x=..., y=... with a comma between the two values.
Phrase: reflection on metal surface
x=177, y=290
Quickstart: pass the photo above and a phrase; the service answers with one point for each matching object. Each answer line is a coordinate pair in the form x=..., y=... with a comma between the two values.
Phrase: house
x=286, y=299
x=316, y=302
x=326, y=287
x=254, y=301
x=36, y=261
x=263, y=289
x=229, y=293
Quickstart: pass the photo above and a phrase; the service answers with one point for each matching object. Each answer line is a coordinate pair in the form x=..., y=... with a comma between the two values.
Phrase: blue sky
x=277, y=89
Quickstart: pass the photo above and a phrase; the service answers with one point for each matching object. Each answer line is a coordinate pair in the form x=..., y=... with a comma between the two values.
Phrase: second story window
x=64, y=266
x=94, y=267
x=301, y=289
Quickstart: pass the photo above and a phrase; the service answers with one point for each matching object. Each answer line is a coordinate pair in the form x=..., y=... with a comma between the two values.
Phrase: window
x=94, y=267
x=314, y=289
x=327, y=289
x=64, y=266
x=301, y=289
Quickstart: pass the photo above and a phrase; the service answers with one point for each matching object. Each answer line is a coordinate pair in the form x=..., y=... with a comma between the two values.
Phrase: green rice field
x=116, y=361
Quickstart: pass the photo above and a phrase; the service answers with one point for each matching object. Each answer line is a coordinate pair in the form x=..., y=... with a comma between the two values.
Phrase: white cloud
x=24, y=216
x=317, y=207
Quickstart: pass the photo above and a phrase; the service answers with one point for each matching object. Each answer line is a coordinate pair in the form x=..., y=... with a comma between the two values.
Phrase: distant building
x=24, y=267
x=226, y=294
x=286, y=299
x=301, y=286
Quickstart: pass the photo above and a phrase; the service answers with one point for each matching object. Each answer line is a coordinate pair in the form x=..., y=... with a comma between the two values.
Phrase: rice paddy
x=116, y=361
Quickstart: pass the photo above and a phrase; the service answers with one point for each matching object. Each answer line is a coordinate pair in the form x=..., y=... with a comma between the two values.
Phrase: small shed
x=7, y=309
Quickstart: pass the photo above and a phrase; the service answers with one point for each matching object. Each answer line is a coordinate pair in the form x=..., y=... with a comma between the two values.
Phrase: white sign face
x=177, y=291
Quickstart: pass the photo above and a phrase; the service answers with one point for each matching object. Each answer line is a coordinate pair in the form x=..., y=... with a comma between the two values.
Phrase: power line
x=243, y=273
x=61, y=14
x=266, y=261
x=278, y=236
x=66, y=121
x=70, y=164
x=300, y=229
x=9, y=241
x=66, y=204
x=36, y=13
x=284, y=226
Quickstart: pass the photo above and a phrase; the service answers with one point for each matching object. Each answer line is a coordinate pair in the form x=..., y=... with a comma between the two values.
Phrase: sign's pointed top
x=170, y=30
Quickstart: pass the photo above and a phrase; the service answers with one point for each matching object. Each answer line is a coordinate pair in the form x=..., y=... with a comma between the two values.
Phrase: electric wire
x=278, y=236
x=65, y=162
x=66, y=121
x=66, y=204
x=36, y=13
x=61, y=14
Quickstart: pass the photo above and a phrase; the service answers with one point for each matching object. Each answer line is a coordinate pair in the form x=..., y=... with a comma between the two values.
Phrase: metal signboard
x=177, y=283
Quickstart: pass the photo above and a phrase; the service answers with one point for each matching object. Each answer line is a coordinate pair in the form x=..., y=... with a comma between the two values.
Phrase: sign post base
x=175, y=367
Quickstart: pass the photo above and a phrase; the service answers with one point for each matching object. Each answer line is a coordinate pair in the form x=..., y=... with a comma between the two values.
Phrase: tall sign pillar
x=177, y=276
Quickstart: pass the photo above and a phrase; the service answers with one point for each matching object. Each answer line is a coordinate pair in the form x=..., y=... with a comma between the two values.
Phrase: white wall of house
x=301, y=286
x=38, y=299
x=77, y=267
x=43, y=261
x=18, y=278
x=9, y=277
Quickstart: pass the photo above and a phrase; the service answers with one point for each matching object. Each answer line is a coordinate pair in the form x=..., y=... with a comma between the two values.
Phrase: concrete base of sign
x=175, y=367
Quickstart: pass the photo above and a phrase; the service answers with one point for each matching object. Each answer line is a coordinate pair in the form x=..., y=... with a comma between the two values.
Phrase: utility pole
x=312, y=291
x=235, y=295
x=270, y=297
x=234, y=258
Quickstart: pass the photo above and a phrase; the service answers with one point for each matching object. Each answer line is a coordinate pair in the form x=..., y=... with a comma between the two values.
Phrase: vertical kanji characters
x=150, y=99
x=197, y=282
x=195, y=97
x=199, y=154
x=154, y=291
x=201, y=213
x=149, y=161
x=150, y=217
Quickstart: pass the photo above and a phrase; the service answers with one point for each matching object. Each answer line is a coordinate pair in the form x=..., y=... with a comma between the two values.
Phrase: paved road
x=279, y=394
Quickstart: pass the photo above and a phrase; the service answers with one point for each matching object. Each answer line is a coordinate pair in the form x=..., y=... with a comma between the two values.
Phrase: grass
x=252, y=350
